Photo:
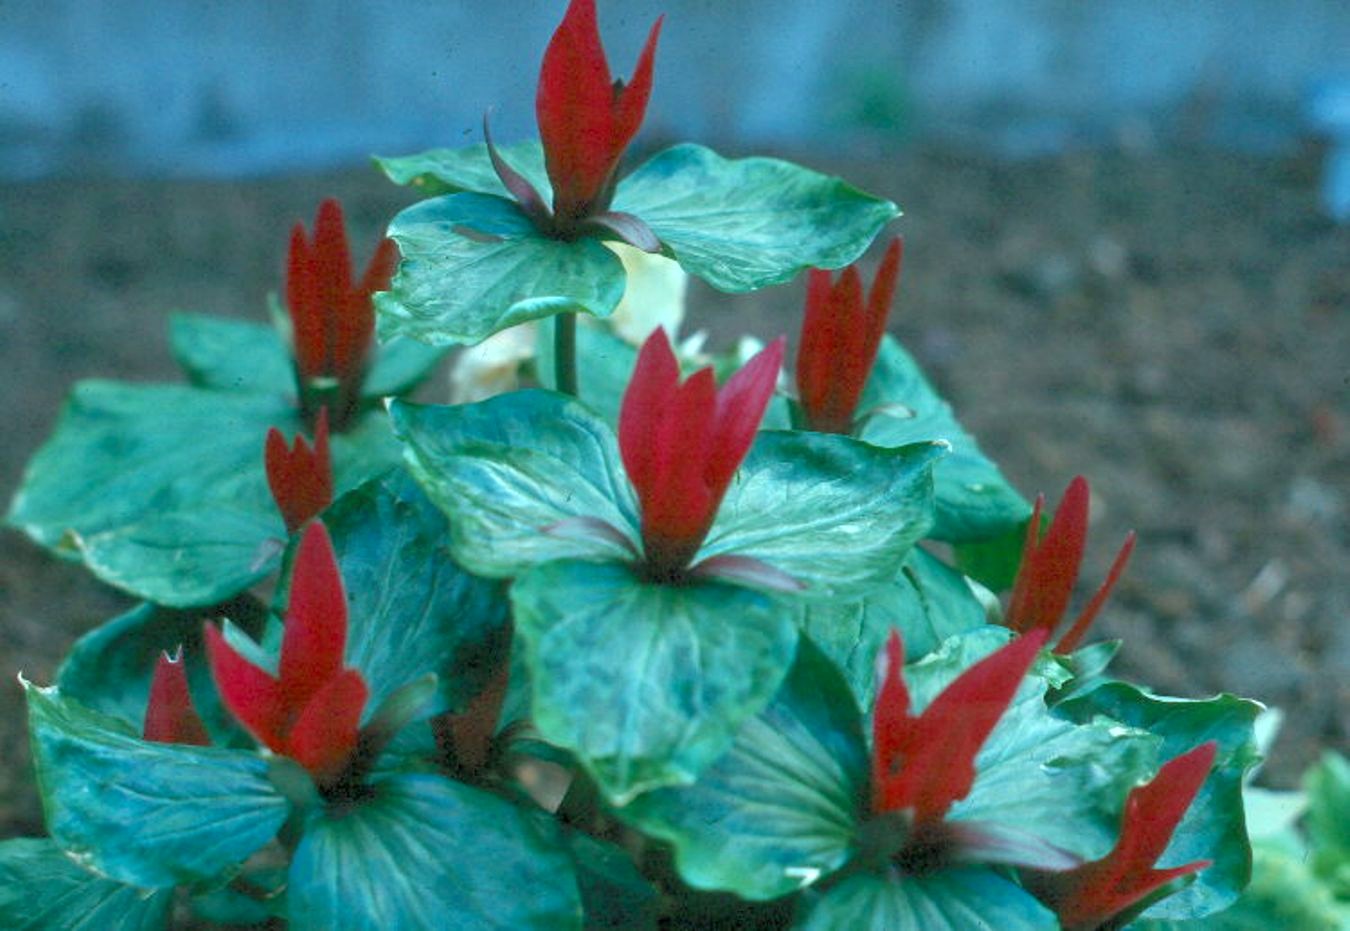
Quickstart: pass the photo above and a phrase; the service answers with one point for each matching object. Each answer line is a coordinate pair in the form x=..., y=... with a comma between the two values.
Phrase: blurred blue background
x=204, y=87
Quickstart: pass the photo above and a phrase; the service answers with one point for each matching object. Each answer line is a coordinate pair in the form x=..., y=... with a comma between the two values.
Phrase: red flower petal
x=170, y=716
x=303, y=303
x=250, y=693
x=936, y=765
x=1050, y=565
x=654, y=380
x=315, y=638
x=326, y=731
x=1090, y=895
x=300, y=478
x=585, y=123
x=740, y=407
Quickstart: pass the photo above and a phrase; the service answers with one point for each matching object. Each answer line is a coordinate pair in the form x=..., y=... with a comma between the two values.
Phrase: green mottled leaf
x=1214, y=827
x=509, y=471
x=646, y=684
x=160, y=488
x=837, y=514
x=780, y=809
x=42, y=889
x=239, y=355
x=974, y=501
x=412, y=609
x=197, y=811
x=449, y=171
x=928, y=602
x=948, y=900
x=742, y=224
x=474, y=264
x=423, y=854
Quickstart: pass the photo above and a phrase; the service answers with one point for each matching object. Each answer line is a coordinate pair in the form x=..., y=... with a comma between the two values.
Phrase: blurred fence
x=244, y=86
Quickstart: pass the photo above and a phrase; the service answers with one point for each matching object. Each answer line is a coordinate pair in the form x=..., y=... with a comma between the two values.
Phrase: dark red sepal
x=170, y=716
x=841, y=334
x=301, y=476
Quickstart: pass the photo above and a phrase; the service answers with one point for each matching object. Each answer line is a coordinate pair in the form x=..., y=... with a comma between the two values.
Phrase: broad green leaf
x=614, y=894
x=516, y=474
x=742, y=224
x=474, y=264
x=43, y=889
x=646, y=684
x=149, y=814
x=780, y=809
x=449, y=171
x=412, y=610
x=949, y=900
x=836, y=514
x=1328, y=788
x=1214, y=827
x=231, y=355
x=928, y=602
x=423, y=852
x=160, y=488
x=240, y=355
x=973, y=499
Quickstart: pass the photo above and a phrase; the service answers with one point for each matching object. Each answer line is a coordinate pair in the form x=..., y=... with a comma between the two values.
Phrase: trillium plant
x=651, y=639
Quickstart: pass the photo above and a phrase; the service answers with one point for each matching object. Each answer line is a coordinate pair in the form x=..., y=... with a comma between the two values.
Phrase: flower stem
x=565, y=353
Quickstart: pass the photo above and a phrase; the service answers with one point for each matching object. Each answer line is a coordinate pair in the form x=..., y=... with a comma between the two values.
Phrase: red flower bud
x=332, y=321
x=840, y=337
x=682, y=443
x=586, y=118
x=926, y=763
x=300, y=477
x=1088, y=896
x=311, y=710
x=170, y=717
x=1050, y=566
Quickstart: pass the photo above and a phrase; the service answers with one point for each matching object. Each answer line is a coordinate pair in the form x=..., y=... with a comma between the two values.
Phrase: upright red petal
x=1069, y=642
x=300, y=478
x=892, y=725
x=326, y=731
x=303, y=303
x=938, y=767
x=1092, y=894
x=741, y=403
x=654, y=381
x=170, y=716
x=380, y=271
x=250, y=693
x=630, y=104
x=315, y=637
x=847, y=369
x=333, y=266
x=879, y=301
x=677, y=506
x=1050, y=567
x=584, y=122
x=817, y=346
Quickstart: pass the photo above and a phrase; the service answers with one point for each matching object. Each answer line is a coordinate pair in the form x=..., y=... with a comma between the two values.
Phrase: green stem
x=565, y=353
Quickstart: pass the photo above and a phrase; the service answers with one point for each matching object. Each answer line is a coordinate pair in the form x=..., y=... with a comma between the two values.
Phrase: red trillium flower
x=1090, y=895
x=586, y=117
x=311, y=710
x=1050, y=568
x=840, y=338
x=682, y=443
x=301, y=476
x=170, y=717
x=924, y=764
x=332, y=320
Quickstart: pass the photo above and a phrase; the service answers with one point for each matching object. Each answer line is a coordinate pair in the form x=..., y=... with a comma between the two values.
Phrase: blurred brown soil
x=1175, y=326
